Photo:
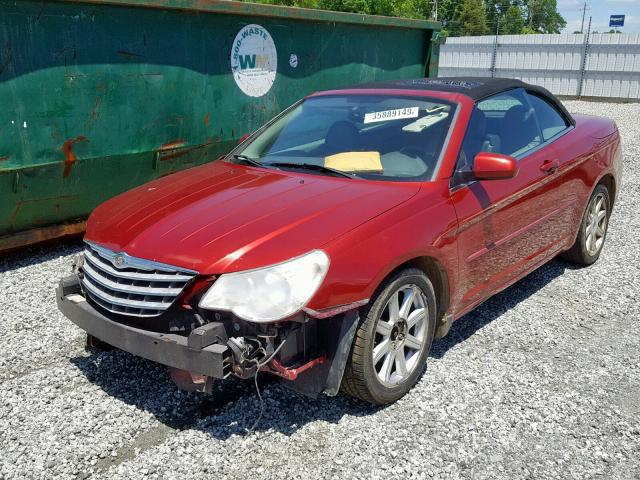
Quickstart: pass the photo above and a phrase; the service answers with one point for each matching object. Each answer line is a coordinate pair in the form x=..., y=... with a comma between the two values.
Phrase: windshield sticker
x=387, y=115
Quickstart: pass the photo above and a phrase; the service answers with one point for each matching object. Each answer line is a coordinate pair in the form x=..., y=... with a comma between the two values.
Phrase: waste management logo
x=254, y=60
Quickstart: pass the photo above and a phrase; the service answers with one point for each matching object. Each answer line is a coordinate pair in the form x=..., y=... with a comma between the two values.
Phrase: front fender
x=425, y=226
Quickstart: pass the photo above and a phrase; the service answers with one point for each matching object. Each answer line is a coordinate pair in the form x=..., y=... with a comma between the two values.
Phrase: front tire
x=393, y=339
x=593, y=229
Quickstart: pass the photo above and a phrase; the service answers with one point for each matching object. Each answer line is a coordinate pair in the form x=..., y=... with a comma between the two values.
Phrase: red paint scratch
x=206, y=120
x=6, y=157
x=172, y=156
x=70, y=157
x=173, y=144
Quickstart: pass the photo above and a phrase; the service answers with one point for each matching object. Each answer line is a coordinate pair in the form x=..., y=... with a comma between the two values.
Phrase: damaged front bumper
x=168, y=349
x=206, y=353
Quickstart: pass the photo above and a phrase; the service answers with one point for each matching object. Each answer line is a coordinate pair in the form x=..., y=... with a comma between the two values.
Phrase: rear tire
x=393, y=340
x=593, y=229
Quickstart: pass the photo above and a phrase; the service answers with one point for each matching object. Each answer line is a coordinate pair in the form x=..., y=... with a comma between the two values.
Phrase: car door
x=560, y=180
x=505, y=226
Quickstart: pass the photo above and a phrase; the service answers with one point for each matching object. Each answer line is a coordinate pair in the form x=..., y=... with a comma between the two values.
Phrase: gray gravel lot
x=542, y=381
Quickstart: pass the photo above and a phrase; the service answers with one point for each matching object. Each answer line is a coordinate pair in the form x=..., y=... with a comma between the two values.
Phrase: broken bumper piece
x=168, y=349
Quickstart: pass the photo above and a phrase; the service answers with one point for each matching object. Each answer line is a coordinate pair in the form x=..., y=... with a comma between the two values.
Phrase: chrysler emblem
x=119, y=261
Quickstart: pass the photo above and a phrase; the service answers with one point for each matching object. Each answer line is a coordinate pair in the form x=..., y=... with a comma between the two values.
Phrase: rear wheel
x=593, y=229
x=393, y=340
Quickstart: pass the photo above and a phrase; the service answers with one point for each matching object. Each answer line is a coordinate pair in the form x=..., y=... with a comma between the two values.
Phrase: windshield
x=370, y=136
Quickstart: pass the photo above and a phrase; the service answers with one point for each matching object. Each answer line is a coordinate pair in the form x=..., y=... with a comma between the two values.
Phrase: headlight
x=270, y=293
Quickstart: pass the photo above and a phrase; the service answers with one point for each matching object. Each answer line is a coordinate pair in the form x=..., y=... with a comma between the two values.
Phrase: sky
x=600, y=10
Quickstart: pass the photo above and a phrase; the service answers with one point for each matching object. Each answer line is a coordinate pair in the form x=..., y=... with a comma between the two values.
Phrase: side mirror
x=494, y=166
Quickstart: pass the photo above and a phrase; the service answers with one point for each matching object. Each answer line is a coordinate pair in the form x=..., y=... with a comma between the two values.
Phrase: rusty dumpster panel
x=101, y=96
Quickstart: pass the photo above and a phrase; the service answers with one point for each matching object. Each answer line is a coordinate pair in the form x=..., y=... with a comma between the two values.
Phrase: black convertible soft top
x=476, y=88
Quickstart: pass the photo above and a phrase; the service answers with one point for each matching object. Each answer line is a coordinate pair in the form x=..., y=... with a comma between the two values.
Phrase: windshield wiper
x=311, y=166
x=248, y=160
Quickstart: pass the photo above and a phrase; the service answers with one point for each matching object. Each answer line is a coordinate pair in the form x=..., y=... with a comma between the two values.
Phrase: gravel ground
x=542, y=381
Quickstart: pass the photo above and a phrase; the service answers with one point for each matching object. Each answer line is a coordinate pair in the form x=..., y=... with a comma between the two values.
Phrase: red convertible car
x=333, y=245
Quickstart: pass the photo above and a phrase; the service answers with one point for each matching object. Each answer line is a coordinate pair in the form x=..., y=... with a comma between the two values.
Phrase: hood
x=222, y=217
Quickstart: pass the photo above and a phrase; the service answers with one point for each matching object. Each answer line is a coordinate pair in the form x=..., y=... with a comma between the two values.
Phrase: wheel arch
x=609, y=181
x=439, y=278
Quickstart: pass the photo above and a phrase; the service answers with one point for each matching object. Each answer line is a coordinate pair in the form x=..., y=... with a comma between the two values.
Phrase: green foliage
x=496, y=11
x=513, y=21
x=471, y=18
x=413, y=8
x=459, y=17
x=543, y=17
x=290, y=3
x=394, y=8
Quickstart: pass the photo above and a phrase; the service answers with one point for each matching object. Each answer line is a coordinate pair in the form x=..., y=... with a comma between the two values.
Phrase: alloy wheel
x=400, y=337
x=595, y=228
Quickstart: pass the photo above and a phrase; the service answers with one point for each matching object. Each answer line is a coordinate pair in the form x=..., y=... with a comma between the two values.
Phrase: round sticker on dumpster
x=254, y=60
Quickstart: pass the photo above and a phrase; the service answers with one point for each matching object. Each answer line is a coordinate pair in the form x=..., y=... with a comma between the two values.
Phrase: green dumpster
x=97, y=97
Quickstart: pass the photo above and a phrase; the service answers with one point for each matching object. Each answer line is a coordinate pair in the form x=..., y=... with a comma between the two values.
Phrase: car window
x=380, y=137
x=551, y=122
x=504, y=123
x=498, y=104
x=308, y=129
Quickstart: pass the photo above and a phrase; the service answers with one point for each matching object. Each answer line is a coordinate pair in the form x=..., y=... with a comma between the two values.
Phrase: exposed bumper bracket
x=168, y=349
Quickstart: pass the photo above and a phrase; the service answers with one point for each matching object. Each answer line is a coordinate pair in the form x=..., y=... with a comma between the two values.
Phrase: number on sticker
x=386, y=115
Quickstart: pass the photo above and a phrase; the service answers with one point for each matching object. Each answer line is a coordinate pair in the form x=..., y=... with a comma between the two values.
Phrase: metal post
x=495, y=51
x=584, y=10
x=585, y=54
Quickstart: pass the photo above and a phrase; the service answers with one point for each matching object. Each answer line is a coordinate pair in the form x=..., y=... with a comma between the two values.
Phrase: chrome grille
x=131, y=286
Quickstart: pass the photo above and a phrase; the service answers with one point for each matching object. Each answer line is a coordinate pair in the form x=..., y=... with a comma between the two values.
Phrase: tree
x=471, y=19
x=413, y=8
x=394, y=8
x=458, y=17
x=290, y=3
x=446, y=13
x=496, y=11
x=447, y=9
x=513, y=21
x=353, y=6
x=543, y=17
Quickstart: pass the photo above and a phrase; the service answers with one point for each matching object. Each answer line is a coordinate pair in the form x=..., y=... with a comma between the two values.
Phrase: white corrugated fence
x=607, y=65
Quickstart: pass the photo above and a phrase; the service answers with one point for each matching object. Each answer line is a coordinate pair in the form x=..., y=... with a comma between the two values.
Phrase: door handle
x=549, y=166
